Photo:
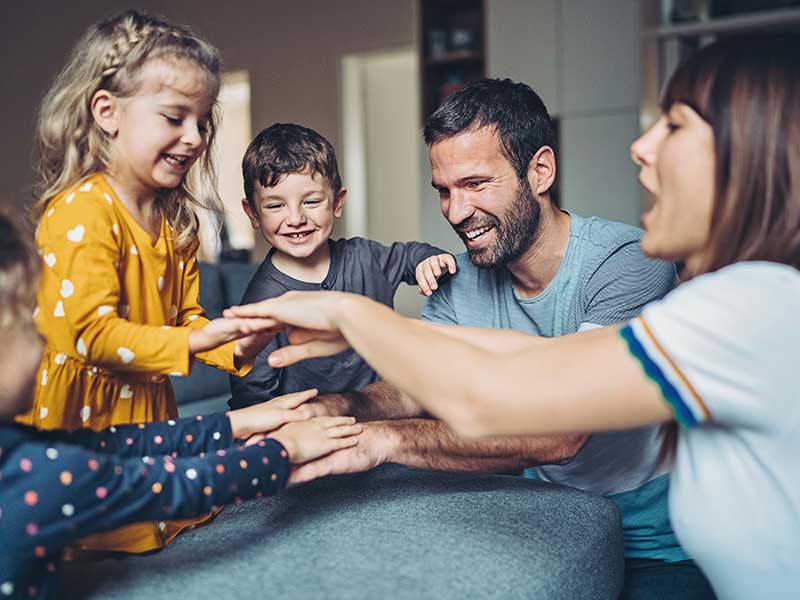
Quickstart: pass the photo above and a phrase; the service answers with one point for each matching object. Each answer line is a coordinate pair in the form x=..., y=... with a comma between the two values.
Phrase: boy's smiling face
x=296, y=215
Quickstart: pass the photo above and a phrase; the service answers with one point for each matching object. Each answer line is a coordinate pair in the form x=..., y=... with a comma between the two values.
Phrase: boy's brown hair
x=285, y=148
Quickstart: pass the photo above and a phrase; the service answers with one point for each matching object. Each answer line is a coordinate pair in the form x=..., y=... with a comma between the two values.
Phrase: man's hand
x=431, y=269
x=373, y=449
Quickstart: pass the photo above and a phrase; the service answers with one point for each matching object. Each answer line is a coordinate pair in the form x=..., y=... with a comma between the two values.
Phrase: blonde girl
x=126, y=121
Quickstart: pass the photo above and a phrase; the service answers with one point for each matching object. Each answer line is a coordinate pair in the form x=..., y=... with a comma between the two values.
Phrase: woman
x=717, y=355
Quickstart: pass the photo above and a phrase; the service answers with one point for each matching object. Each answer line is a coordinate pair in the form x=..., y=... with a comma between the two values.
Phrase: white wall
x=582, y=57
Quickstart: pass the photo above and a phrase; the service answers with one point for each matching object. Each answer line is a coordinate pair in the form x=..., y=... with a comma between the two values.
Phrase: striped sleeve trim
x=686, y=402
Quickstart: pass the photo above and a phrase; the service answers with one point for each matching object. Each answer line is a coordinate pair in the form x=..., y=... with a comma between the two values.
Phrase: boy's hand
x=431, y=269
x=307, y=440
x=253, y=423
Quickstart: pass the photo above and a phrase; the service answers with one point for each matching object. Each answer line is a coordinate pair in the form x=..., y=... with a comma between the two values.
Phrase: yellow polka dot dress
x=117, y=311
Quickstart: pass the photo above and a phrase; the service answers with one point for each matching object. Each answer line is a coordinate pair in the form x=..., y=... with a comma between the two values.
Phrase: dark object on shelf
x=724, y=8
x=452, y=48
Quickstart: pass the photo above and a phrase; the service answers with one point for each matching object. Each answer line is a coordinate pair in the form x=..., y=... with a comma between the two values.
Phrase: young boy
x=293, y=193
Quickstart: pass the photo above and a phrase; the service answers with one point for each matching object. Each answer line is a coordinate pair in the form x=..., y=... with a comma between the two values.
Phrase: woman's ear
x=338, y=202
x=105, y=111
x=542, y=170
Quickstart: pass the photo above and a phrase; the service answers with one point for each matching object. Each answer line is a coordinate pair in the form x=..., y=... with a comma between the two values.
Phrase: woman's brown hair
x=747, y=88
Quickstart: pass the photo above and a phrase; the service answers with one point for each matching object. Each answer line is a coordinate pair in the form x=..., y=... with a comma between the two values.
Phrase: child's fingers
x=329, y=422
x=430, y=275
x=422, y=283
x=437, y=270
x=295, y=399
x=344, y=431
x=449, y=261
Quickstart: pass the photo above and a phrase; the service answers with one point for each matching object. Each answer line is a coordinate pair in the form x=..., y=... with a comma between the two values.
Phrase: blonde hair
x=70, y=145
x=19, y=275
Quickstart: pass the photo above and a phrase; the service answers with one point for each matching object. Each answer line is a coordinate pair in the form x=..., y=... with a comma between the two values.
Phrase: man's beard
x=515, y=232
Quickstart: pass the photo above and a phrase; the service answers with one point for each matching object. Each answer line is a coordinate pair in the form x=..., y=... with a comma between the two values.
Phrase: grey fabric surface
x=391, y=533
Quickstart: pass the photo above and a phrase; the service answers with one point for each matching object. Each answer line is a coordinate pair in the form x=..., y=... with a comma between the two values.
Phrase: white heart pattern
x=126, y=355
x=107, y=197
x=60, y=358
x=126, y=392
x=86, y=187
x=50, y=212
x=59, y=311
x=76, y=234
x=43, y=412
x=70, y=198
x=67, y=289
x=160, y=283
x=173, y=311
x=35, y=312
x=50, y=259
x=104, y=310
x=44, y=376
x=115, y=229
x=80, y=346
x=134, y=250
x=86, y=412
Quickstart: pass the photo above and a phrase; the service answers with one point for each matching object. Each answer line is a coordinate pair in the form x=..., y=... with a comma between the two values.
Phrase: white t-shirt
x=724, y=350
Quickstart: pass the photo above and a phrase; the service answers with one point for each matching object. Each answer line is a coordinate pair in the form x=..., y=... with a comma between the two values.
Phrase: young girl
x=56, y=486
x=119, y=131
x=718, y=355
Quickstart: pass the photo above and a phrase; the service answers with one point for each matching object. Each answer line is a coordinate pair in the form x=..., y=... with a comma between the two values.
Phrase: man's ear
x=251, y=214
x=542, y=170
x=338, y=202
x=105, y=109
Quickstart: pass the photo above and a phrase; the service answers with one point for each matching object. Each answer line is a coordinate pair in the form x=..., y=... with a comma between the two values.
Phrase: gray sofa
x=390, y=533
x=206, y=389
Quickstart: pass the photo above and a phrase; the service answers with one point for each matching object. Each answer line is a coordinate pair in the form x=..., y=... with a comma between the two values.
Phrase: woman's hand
x=312, y=316
x=317, y=437
x=255, y=422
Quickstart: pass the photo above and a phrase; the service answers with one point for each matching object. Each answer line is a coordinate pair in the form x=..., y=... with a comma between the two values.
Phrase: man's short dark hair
x=513, y=109
x=284, y=148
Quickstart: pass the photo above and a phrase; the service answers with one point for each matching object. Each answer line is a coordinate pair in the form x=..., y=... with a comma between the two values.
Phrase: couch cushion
x=391, y=533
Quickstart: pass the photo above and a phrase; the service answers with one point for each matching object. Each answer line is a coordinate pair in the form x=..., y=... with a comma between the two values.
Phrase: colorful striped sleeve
x=686, y=402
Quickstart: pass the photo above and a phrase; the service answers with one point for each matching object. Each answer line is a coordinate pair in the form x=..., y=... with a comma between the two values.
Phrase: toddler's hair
x=71, y=146
x=284, y=148
x=19, y=275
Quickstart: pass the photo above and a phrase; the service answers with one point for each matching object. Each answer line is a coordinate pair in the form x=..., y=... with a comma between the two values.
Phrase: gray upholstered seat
x=391, y=533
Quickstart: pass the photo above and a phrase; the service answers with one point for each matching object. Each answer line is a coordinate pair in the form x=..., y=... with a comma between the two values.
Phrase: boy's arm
x=177, y=437
x=55, y=493
x=399, y=261
x=262, y=382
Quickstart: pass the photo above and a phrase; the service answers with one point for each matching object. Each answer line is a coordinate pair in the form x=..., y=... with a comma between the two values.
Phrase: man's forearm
x=430, y=444
x=378, y=401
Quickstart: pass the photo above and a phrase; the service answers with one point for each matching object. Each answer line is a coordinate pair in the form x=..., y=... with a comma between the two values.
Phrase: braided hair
x=69, y=144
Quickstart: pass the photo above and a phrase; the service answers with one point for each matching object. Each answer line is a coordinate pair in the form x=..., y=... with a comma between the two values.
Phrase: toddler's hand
x=307, y=440
x=431, y=269
x=253, y=423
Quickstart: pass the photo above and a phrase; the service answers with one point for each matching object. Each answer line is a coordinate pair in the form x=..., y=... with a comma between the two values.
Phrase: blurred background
x=366, y=73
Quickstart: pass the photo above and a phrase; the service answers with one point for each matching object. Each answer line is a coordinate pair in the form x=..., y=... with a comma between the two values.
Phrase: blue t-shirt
x=603, y=279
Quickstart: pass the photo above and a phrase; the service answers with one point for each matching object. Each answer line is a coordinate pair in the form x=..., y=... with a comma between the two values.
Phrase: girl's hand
x=307, y=440
x=431, y=269
x=221, y=331
x=254, y=422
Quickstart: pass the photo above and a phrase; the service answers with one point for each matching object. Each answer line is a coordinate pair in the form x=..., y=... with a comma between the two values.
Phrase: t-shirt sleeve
x=722, y=347
x=439, y=306
x=54, y=493
x=624, y=283
x=399, y=261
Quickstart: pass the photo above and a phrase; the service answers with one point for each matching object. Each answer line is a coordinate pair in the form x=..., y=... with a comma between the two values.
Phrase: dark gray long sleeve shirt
x=357, y=265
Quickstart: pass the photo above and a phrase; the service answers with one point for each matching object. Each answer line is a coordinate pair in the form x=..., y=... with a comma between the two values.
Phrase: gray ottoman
x=390, y=533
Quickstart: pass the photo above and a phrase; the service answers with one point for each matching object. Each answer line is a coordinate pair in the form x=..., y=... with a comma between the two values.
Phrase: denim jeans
x=647, y=579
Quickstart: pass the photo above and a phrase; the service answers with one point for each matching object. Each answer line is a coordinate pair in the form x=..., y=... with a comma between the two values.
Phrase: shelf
x=453, y=58
x=743, y=22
